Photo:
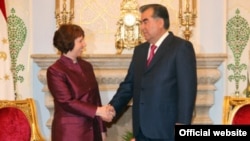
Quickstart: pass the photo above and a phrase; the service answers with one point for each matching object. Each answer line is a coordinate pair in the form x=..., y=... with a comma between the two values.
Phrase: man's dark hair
x=160, y=11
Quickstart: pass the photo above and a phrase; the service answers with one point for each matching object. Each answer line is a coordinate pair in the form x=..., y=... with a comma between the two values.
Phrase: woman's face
x=80, y=44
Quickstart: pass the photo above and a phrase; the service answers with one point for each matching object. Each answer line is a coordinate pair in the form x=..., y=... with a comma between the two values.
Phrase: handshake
x=106, y=112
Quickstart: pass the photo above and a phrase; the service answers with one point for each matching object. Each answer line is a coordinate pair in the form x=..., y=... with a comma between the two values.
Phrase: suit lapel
x=161, y=50
x=140, y=59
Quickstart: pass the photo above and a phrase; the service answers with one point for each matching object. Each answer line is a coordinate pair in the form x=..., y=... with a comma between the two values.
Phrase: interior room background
x=214, y=33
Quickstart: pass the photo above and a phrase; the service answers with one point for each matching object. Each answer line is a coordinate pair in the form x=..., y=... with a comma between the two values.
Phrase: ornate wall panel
x=237, y=38
x=99, y=20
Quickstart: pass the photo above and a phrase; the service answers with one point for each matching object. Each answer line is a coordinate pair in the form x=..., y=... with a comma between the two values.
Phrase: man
x=164, y=91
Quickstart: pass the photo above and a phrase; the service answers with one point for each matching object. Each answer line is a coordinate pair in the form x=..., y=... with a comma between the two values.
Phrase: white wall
x=43, y=29
x=212, y=25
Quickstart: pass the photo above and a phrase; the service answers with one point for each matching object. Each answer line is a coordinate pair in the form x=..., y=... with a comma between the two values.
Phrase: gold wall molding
x=64, y=11
x=187, y=16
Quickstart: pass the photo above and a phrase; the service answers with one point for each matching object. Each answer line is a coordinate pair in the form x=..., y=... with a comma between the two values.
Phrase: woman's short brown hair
x=65, y=36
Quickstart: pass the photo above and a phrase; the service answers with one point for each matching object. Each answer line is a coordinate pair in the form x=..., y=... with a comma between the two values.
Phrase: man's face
x=150, y=26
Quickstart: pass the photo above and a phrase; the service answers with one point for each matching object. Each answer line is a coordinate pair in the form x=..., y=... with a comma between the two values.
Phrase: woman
x=71, y=80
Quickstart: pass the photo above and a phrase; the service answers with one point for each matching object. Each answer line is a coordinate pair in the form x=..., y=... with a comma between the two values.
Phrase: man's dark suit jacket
x=163, y=93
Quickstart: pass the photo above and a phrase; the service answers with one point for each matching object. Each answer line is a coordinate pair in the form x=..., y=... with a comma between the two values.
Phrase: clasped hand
x=106, y=112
